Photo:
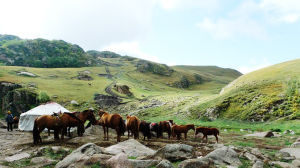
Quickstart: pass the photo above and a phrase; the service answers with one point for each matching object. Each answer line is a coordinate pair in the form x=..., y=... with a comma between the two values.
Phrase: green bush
x=43, y=97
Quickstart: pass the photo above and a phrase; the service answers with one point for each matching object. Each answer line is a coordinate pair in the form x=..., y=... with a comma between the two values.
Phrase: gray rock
x=296, y=163
x=224, y=156
x=17, y=157
x=196, y=163
x=143, y=163
x=292, y=151
x=130, y=147
x=41, y=161
x=87, y=161
x=119, y=161
x=164, y=164
x=251, y=157
x=26, y=74
x=258, y=164
x=74, y=103
x=298, y=140
x=88, y=149
x=94, y=130
x=262, y=134
x=175, y=152
x=282, y=164
x=296, y=145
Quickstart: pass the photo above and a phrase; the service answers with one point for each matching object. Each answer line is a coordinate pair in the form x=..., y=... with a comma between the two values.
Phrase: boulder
x=292, y=151
x=258, y=164
x=282, y=164
x=224, y=156
x=175, y=152
x=262, y=134
x=119, y=161
x=17, y=157
x=284, y=156
x=41, y=161
x=164, y=164
x=143, y=163
x=296, y=145
x=94, y=130
x=296, y=163
x=196, y=163
x=88, y=161
x=251, y=157
x=130, y=147
x=88, y=149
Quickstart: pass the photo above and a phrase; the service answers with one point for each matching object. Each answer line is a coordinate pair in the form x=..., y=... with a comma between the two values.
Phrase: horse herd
x=62, y=122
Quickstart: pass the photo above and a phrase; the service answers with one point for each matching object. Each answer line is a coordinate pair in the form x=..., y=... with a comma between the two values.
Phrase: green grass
x=245, y=163
x=19, y=163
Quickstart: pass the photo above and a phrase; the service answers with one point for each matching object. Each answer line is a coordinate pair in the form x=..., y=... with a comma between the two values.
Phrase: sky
x=241, y=34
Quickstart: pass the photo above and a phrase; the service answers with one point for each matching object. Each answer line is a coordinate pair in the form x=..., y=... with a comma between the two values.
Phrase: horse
x=145, y=129
x=16, y=122
x=165, y=126
x=71, y=120
x=177, y=130
x=57, y=123
x=132, y=124
x=154, y=127
x=83, y=116
x=207, y=131
x=114, y=121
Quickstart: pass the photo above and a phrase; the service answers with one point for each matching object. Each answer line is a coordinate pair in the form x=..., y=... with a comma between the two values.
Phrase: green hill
x=266, y=94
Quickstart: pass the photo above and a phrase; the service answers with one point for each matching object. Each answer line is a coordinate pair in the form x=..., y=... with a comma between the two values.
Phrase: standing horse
x=83, y=116
x=165, y=126
x=16, y=122
x=145, y=129
x=207, y=131
x=132, y=124
x=113, y=121
x=154, y=127
x=70, y=120
x=177, y=130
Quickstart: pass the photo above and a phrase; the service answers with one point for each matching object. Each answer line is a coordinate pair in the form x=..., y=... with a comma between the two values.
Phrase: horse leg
x=69, y=131
x=107, y=133
x=48, y=132
x=118, y=134
x=185, y=135
x=128, y=133
x=104, y=132
x=216, y=137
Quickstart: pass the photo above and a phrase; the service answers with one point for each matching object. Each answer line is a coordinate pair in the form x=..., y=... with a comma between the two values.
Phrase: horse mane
x=73, y=116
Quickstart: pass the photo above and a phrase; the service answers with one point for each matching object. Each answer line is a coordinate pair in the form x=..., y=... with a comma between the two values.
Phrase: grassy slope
x=269, y=93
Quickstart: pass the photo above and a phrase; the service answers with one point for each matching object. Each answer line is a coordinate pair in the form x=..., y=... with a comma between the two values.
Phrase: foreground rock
x=224, y=156
x=80, y=154
x=196, y=163
x=42, y=161
x=130, y=147
x=175, y=152
x=119, y=161
x=292, y=151
x=143, y=163
x=164, y=164
x=262, y=134
x=17, y=157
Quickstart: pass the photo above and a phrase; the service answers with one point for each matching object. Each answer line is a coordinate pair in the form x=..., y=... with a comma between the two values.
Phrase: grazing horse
x=83, y=116
x=207, y=131
x=165, y=126
x=113, y=121
x=57, y=123
x=132, y=124
x=177, y=130
x=145, y=129
x=16, y=122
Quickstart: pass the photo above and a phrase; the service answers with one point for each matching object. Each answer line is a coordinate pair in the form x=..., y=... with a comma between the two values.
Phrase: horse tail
x=218, y=133
x=122, y=125
x=35, y=132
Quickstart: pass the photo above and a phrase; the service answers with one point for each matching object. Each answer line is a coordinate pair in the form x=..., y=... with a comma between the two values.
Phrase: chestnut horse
x=207, y=131
x=83, y=116
x=132, y=124
x=165, y=126
x=177, y=130
x=145, y=129
x=57, y=123
x=113, y=121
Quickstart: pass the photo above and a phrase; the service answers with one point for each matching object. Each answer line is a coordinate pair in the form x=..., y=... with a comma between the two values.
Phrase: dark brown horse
x=154, y=127
x=132, y=124
x=145, y=129
x=83, y=116
x=165, y=126
x=113, y=121
x=57, y=123
x=207, y=131
x=177, y=130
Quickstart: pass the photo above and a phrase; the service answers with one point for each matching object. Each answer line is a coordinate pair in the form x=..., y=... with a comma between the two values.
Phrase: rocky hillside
x=266, y=94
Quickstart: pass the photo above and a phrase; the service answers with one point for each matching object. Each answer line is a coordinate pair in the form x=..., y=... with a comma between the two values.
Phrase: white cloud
x=129, y=48
x=254, y=65
x=187, y=4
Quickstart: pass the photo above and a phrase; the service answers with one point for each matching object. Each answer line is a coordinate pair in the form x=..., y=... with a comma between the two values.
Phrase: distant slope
x=266, y=94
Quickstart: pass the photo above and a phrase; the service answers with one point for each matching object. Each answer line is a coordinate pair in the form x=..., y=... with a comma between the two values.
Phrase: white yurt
x=27, y=119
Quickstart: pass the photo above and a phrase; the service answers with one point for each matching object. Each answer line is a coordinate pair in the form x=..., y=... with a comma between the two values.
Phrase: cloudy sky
x=240, y=34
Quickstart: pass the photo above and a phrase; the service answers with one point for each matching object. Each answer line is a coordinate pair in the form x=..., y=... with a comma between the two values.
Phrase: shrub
x=43, y=97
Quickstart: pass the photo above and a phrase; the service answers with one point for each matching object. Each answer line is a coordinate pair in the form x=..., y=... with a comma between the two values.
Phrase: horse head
x=101, y=112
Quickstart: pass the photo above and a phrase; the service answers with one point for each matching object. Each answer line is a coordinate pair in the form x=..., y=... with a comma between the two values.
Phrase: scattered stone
x=258, y=164
x=164, y=164
x=296, y=145
x=74, y=103
x=289, y=132
x=41, y=161
x=130, y=147
x=196, y=163
x=262, y=134
x=23, y=73
x=54, y=96
x=143, y=163
x=175, y=152
x=17, y=157
x=251, y=157
x=224, y=156
x=292, y=151
x=281, y=164
x=119, y=161
x=88, y=149
x=31, y=85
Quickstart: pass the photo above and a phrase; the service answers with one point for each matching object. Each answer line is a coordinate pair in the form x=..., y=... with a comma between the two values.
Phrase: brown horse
x=57, y=123
x=177, y=130
x=145, y=128
x=207, y=131
x=83, y=116
x=165, y=126
x=132, y=124
x=16, y=122
x=113, y=121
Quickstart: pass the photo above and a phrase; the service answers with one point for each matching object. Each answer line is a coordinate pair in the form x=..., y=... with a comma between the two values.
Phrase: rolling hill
x=266, y=94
